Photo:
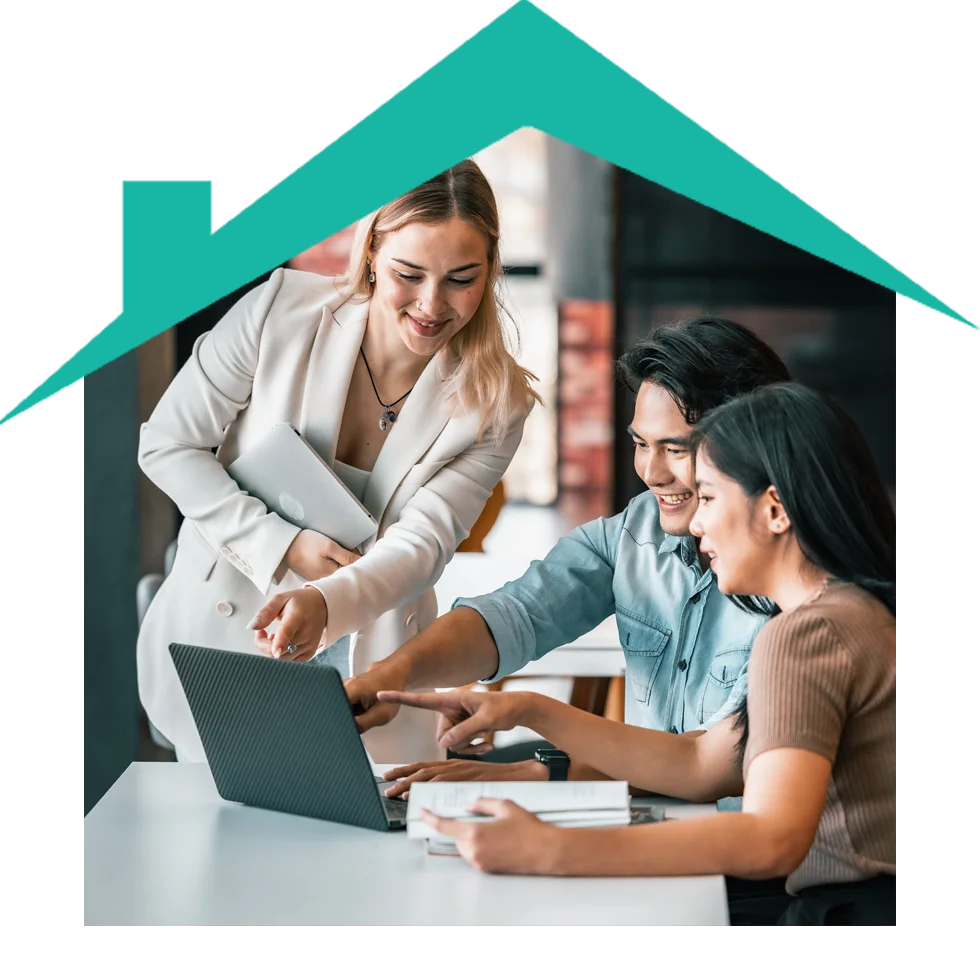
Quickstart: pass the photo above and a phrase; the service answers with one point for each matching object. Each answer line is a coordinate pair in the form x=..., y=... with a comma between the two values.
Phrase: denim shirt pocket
x=722, y=675
x=644, y=645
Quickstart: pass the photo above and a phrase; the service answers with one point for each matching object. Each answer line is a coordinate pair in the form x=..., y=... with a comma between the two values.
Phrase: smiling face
x=430, y=280
x=739, y=534
x=661, y=457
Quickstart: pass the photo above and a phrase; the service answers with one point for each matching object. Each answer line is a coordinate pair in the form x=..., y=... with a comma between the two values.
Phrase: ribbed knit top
x=822, y=677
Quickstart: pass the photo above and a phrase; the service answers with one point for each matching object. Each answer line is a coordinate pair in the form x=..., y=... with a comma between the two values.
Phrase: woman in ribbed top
x=792, y=509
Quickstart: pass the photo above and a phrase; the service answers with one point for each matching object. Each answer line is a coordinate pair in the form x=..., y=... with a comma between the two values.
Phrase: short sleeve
x=799, y=680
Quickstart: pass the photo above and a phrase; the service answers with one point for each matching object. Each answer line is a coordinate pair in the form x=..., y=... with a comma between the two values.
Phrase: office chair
x=146, y=589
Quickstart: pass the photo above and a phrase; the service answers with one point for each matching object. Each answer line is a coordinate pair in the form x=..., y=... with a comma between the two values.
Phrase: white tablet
x=287, y=474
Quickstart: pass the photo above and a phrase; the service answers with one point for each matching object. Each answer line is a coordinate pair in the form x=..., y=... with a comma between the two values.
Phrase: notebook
x=285, y=472
x=565, y=804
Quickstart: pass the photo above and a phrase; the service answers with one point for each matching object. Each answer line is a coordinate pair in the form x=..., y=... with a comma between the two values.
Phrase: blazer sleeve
x=414, y=551
x=191, y=420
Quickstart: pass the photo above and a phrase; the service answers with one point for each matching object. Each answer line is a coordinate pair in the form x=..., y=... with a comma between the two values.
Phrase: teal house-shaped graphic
x=173, y=265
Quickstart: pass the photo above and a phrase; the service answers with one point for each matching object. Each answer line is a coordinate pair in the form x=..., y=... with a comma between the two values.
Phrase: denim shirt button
x=696, y=597
x=673, y=729
x=682, y=665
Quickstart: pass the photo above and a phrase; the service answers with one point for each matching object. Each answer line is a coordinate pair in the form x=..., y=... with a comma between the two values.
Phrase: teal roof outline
x=174, y=266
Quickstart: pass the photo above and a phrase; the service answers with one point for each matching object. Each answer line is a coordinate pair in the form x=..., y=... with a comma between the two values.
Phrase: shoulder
x=840, y=623
x=643, y=509
x=472, y=421
x=288, y=287
x=298, y=287
x=641, y=520
x=801, y=631
x=289, y=302
x=519, y=409
x=635, y=528
x=850, y=606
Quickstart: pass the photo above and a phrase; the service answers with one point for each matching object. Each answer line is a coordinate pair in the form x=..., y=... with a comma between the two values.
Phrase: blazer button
x=246, y=568
x=225, y=608
x=226, y=552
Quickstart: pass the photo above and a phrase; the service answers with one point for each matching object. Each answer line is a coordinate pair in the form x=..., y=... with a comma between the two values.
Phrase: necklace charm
x=387, y=416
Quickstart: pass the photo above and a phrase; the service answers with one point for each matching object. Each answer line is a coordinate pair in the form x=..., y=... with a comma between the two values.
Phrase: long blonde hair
x=480, y=358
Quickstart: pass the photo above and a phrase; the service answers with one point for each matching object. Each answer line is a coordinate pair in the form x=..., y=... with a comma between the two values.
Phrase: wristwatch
x=556, y=761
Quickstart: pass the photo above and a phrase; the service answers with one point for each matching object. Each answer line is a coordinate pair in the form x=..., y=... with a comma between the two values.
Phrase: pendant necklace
x=387, y=416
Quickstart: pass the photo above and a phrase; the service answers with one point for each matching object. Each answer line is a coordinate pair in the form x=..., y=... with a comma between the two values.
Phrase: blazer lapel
x=420, y=421
x=329, y=373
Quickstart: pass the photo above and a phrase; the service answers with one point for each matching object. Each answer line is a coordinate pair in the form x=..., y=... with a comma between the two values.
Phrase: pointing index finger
x=434, y=702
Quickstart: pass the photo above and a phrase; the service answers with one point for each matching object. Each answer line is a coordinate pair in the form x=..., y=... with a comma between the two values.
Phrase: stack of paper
x=574, y=804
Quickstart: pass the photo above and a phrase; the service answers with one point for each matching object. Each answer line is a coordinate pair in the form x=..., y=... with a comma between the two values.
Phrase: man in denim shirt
x=686, y=644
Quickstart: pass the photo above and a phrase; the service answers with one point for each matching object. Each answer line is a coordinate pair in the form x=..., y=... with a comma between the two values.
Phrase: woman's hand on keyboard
x=463, y=770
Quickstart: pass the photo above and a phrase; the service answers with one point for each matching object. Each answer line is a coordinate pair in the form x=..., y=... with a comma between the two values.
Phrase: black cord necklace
x=387, y=416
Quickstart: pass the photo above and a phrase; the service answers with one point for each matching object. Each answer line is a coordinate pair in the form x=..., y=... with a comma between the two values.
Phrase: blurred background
x=594, y=257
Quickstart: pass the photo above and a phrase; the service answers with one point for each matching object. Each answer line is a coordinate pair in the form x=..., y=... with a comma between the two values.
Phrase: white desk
x=161, y=847
x=596, y=654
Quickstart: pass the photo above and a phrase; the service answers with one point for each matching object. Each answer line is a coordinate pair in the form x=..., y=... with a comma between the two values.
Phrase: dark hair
x=800, y=442
x=740, y=724
x=702, y=362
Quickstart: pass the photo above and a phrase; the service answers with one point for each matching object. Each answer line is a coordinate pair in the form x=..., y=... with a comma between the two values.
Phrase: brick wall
x=329, y=257
x=585, y=409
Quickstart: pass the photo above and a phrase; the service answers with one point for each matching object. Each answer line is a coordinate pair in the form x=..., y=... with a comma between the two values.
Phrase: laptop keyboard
x=395, y=809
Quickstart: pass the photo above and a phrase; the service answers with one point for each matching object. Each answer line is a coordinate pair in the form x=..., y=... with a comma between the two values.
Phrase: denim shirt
x=686, y=644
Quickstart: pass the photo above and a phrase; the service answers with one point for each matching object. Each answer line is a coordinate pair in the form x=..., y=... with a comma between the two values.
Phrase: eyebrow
x=701, y=484
x=669, y=441
x=422, y=268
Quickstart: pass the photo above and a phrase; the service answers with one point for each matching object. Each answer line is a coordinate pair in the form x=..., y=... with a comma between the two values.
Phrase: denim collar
x=682, y=544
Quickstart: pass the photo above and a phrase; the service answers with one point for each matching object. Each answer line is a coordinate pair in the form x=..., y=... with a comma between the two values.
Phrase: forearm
x=656, y=761
x=737, y=844
x=412, y=553
x=456, y=649
x=578, y=770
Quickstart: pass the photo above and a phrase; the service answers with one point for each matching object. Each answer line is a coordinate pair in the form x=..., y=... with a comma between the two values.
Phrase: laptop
x=285, y=472
x=281, y=735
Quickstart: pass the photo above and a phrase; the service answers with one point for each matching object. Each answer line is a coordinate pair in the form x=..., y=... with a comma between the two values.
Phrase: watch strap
x=556, y=762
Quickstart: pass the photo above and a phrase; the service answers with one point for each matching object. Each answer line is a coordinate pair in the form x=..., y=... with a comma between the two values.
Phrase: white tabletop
x=161, y=847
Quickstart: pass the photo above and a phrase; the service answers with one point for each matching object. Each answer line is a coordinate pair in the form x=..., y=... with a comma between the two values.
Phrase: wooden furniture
x=486, y=520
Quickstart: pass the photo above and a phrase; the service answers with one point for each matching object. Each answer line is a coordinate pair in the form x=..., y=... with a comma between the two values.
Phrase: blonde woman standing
x=398, y=373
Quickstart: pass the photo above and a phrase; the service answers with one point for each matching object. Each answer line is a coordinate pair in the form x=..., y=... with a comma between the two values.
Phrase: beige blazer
x=286, y=352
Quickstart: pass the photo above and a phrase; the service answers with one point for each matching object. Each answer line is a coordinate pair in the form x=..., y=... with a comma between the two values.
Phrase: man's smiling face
x=661, y=458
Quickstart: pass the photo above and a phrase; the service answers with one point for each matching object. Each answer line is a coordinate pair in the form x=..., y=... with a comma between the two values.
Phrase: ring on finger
x=292, y=648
